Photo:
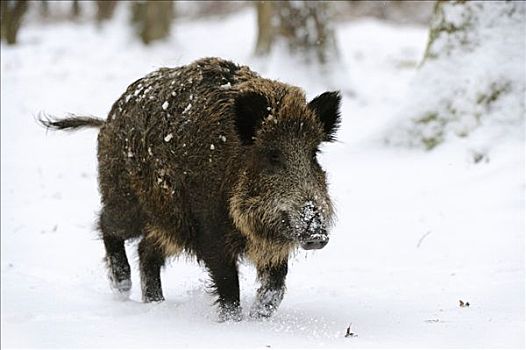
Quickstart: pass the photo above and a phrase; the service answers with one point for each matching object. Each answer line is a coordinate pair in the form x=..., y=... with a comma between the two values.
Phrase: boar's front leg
x=226, y=285
x=272, y=289
x=221, y=263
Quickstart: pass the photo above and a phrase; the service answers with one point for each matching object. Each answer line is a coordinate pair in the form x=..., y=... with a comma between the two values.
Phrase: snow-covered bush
x=472, y=76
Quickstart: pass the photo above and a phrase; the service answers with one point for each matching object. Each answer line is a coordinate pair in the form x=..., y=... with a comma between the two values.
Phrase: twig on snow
x=422, y=238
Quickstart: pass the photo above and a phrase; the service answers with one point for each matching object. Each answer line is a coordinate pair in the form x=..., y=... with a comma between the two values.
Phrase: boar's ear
x=327, y=108
x=249, y=108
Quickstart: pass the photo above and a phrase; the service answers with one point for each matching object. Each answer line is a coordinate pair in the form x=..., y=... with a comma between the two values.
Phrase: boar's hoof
x=119, y=275
x=153, y=298
x=267, y=302
x=230, y=314
x=122, y=287
x=262, y=312
x=148, y=300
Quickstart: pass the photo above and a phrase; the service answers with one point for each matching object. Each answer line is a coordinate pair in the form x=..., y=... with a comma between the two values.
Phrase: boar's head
x=281, y=194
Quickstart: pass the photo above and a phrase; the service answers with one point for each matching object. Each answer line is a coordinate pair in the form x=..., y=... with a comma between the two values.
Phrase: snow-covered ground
x=417, y=231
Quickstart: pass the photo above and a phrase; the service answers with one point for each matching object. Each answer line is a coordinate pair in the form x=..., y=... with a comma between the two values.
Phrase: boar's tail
x=71, y=122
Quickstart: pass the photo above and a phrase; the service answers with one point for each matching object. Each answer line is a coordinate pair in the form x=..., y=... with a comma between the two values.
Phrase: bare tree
x=75, y=9
x=265, y=29
x=44, y=8
x=152, y=19
x=11, y=13
x=304, y=26
x=105, y=10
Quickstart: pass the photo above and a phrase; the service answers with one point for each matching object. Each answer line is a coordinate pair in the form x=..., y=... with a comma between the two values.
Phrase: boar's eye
x=274, y=157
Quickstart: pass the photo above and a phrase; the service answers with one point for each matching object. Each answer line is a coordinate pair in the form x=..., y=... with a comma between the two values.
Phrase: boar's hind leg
x=116, y=260
x=151, y=259
x=271, y=292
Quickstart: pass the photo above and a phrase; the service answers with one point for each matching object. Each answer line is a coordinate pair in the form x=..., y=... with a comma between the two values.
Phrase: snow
x=415, y=233
x=187, y=108
x=225, y=86
x=474, y=77
x=312, y=221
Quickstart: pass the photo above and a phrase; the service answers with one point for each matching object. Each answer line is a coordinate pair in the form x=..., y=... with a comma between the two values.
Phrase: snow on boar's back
x=212, y=160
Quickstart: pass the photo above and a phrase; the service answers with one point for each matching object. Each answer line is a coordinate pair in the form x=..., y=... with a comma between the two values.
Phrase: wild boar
x=212, y=160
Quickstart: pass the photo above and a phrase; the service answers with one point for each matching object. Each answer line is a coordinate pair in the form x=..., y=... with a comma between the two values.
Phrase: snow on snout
x=311, y=221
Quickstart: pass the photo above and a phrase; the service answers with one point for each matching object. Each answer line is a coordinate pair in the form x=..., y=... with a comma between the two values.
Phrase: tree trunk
x=441, y=25
x=105, y=10
x=75, y=9
x=304, y=26
x=44, y=8
x=265, y=30
x=11, y=17
x=152, y=19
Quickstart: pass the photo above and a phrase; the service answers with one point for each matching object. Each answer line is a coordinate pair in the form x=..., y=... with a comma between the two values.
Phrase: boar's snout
x=313, y=227
x=315, y=242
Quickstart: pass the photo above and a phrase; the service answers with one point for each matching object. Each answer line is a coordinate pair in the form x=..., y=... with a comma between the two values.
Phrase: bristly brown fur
x=163, y=240
x=212, y=160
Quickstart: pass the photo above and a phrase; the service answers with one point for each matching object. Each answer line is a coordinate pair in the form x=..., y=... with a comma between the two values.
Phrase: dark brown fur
x=212, y=160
